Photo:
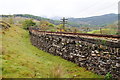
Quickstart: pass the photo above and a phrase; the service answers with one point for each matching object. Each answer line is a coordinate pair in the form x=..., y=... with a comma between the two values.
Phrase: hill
x=20, y=59
x=95, y=20
x=56, y=22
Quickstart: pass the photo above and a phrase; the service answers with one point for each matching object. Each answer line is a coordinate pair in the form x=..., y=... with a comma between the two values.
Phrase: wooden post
x=100, y=30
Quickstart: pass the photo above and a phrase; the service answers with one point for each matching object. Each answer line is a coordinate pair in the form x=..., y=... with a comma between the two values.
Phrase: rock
x=71, y=56
x=98, y=55
x=71, y=53
x=92, y=52
x=84, y=52
x=63, y=43
x=80, y=45
x=74, y=54
x=74, y=75
x=78, y=55
x=105, y=52
x=82, y=59
x=60, y=53
x=101, y=62
x=117, y=65
x=79, y=42
x=93, y=55
x=118, y=58
x=83, y=56
x=76, y=50
x=96, y=51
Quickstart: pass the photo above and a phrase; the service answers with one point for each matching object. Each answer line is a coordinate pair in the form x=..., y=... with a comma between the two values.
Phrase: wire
x=93, y=5
x=108, y=7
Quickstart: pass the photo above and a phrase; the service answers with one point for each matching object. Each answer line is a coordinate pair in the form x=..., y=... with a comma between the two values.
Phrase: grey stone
x=85, y=52
x=117, y=65
x=93, y=55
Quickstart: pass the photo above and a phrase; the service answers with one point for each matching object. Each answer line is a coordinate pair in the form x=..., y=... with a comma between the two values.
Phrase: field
x=107, y=31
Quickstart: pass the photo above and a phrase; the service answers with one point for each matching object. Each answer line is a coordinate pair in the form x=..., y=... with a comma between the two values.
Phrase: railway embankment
x=98, y=55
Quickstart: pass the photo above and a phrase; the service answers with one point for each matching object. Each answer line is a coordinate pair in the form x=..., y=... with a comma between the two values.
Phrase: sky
x=61, y=8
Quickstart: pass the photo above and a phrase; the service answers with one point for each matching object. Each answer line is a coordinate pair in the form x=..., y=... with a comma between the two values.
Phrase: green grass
x=22, y=60
x=104, y=31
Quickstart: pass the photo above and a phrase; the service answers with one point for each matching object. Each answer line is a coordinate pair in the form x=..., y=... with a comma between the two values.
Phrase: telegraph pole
x=64, y=22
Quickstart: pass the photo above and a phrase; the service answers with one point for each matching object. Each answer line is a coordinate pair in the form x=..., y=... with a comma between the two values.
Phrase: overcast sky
x=66, y=8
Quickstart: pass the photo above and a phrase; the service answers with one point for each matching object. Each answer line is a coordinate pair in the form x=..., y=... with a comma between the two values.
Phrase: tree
x=45, y=25
x=27, y=23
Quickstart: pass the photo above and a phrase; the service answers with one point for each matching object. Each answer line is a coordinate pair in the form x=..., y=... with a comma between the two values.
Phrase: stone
x=63, y=43
x=82, y=59
x=78, y=55
x=79, y=41
x=105, y=52
x=74, y=54
x=92, y=52
x=60, y=53
x=85, y=52
x=71, y=56
x=118, y=58
x=96, y=51
x=93, y=55
x=117, y=65
x=80, y=45
x=98, y=55
x=83, y=56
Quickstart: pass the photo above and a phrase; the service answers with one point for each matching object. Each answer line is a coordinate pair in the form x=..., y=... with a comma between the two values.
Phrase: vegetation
x=27, y=23
x=104, y=31
x=73, y=25
x=22, y=60
x=95, y=21
x=98, y=21
x=108, y=76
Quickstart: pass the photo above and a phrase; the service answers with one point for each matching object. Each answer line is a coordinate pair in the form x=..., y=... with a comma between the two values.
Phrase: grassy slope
x=0, y=53
x=21, y=59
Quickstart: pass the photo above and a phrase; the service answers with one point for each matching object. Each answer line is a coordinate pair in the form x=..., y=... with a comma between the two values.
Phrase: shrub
x=28, y=23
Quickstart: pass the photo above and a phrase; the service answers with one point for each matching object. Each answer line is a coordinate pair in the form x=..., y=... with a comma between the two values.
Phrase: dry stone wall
x=86, y=53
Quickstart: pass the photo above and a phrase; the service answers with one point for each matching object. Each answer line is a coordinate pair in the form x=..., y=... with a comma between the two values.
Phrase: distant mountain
x=95, y=20
x=55, y=18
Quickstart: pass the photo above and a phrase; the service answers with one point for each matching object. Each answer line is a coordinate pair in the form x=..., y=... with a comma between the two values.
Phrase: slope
x=22, y=60
x=96, y=20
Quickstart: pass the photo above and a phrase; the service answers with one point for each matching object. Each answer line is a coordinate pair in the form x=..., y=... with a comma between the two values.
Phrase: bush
x=28, y=23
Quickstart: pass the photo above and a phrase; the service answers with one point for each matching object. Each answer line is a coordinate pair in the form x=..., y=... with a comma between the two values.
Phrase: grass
x=104, y=31
x=22, y=60
x=57, y=71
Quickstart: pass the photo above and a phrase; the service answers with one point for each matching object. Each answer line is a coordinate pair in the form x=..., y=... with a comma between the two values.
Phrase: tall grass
x=57, y=71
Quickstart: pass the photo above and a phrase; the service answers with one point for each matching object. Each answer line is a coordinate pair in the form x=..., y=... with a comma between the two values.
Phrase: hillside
x=56, y=22
x=22, y=60
x=96, y=20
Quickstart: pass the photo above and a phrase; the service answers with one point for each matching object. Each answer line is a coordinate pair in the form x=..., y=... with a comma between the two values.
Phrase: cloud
x=67, y=8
